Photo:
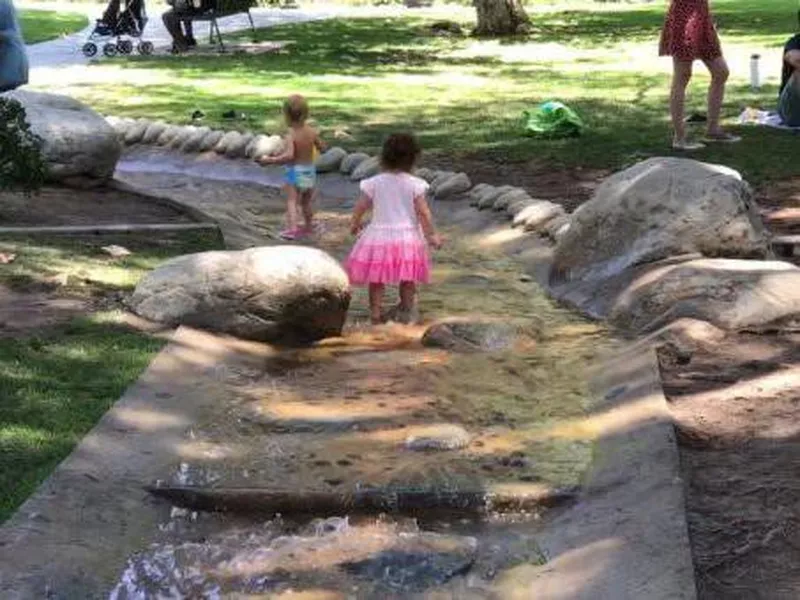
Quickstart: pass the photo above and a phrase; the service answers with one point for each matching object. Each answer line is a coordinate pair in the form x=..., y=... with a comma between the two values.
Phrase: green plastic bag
x=553, y=120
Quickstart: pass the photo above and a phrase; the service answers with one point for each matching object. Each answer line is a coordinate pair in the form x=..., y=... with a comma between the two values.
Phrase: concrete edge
x=627, y=537
x=117, y=228
x=190, y=211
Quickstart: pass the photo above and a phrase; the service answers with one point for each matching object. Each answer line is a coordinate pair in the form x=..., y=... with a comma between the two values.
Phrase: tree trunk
x=500, y=17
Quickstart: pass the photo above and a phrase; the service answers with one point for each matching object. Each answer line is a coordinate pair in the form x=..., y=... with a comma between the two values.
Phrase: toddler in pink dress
x=392, y=250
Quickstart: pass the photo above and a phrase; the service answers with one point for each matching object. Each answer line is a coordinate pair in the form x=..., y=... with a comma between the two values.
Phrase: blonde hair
x=295, y=109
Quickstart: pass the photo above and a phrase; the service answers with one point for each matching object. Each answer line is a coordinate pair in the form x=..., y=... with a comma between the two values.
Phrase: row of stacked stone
x=532, y=215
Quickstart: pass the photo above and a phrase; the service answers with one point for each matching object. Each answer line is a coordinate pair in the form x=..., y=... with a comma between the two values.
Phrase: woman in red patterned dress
x=689, y=35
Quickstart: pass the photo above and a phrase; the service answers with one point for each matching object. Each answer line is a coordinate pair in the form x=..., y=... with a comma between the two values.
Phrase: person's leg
x=173, y=25
x=681, y=75
x=376, y=302
x=408, y=296
x=307, y=207
x=718, y=68
x=291, y=209
x=188, y=31
x=111, y=13
x=789, y=103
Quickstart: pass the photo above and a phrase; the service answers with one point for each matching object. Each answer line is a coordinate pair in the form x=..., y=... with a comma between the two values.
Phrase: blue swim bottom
x=303, y=177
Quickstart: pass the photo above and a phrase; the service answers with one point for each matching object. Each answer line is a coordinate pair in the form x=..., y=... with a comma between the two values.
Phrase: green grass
x=42, y=25
x=57, y=382
x=464, y=96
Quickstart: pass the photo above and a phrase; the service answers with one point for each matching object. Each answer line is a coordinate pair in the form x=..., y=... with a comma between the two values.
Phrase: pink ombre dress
x=392, y=248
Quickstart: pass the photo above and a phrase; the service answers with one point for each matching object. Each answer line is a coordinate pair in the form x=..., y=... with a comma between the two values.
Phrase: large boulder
x=78, y=142
x=280, y=294
x=659, y=208
x=731, y=294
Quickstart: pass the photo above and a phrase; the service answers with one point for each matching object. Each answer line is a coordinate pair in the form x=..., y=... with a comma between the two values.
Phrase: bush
x=22, y=165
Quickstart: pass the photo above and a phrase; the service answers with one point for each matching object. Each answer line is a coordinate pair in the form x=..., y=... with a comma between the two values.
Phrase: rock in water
x=281, y=294
x=659, y=208
x=453, y=187
x=351, y=161
x=153, y=132
x=463, y=334
x=731, y=294
x=366, y=169
x=438, y=438
x=331, y=160
x=78, y=142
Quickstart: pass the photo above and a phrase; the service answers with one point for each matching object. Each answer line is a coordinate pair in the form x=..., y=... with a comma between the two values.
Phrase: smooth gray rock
x=238, y=149
x=153, y=132
x=465, y=334
x=557, y=227
x=230, y=139
x=331, y=160
x=281, y=294
x=659, y=208
x=504, y=200
x=263, y=145
x=210, y=141
x=728, y=293
x=425, y=173
x=77, y=142
x=180, y=138
x=537, y=216
x=192, y=143
x=351, y=161
x=135, y=132
x=474, y=194
x=488, y=198
x=453, y=187
x=168, y=135
x=366, y=169
x=440, y=437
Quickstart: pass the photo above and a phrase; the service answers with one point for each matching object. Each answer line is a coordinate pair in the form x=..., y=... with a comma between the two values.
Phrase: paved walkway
x=46, y=57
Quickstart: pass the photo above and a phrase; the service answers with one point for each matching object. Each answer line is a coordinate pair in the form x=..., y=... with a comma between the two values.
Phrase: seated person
x=789, y=99
x=183, y=37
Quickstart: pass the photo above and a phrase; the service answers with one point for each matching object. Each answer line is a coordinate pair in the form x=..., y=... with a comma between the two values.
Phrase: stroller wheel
x=89, y=49
x=110, y=49
x=146, y=48
x=125, y=46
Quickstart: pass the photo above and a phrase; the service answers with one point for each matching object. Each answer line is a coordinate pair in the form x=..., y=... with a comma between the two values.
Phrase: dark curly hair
x=400, y=152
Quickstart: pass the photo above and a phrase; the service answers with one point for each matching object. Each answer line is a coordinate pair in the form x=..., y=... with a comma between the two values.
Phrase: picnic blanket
x=754, y=116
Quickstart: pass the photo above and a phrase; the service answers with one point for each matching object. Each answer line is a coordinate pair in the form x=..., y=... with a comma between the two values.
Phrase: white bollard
x=755, y=72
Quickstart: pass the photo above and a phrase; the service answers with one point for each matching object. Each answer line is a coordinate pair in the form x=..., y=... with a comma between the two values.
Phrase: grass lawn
x=42, y=25
x=56, y=382
x=464, y=96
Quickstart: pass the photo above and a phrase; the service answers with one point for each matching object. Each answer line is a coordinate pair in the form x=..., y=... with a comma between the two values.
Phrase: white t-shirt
x=392, y=195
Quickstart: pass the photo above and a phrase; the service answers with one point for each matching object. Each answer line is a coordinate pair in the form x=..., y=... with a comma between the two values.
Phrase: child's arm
x=426, y=220
x=284, y=157
x=362, y=206
x=320, y=144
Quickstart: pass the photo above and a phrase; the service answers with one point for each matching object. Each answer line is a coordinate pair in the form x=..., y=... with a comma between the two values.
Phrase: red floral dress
x=689, y=32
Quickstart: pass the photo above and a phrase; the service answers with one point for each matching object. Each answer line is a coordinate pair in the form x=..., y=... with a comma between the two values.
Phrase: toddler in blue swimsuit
x=302, y=146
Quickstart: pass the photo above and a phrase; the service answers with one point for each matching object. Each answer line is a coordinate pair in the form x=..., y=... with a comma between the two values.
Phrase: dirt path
x=737, y=407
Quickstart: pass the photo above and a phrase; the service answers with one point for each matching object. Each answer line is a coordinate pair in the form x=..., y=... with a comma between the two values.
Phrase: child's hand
x=436, y=241
x=355, y=228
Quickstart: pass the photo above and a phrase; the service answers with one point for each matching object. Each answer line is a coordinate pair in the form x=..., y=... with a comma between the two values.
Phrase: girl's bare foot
x=686, y=145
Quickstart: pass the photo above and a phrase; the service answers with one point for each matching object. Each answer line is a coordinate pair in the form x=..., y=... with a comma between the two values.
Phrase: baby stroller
x=120, y=24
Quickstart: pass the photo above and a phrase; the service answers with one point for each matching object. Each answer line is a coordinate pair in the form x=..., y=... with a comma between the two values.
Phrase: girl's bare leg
x=291, y=207
x=716, y=93
x=376, y=302
x=408, y=295
x=681, y=74
x=307, y=207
